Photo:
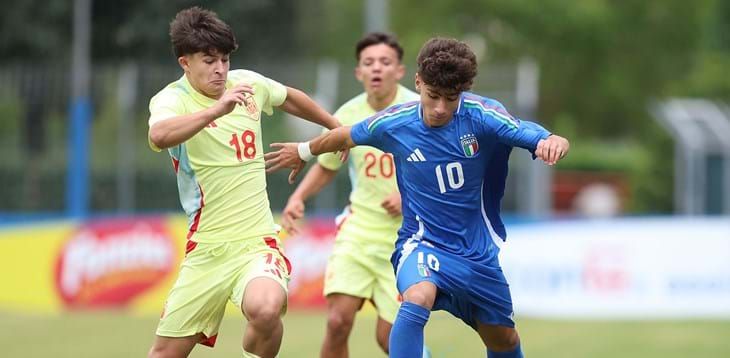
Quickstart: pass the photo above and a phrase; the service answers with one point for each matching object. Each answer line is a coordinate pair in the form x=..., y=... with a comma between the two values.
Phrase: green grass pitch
x=119, y=334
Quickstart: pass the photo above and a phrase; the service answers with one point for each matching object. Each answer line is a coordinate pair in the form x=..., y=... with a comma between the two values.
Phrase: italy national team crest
x=469, y=144
x=423, y=270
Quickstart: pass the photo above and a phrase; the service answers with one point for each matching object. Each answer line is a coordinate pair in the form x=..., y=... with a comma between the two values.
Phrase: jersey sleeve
x=277, y=94
x=512, y=131
x=370, y=132
x=164, y=105
x=541, y=132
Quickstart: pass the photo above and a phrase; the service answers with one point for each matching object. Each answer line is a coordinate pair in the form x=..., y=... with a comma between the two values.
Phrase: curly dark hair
x=375, y=38
x=447, y=64
x=197, y=30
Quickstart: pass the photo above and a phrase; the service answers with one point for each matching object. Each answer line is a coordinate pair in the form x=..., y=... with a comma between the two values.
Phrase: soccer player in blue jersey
x=451, y=150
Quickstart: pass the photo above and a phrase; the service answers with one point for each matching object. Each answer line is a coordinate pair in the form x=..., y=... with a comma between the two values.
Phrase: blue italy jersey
x=451, y=178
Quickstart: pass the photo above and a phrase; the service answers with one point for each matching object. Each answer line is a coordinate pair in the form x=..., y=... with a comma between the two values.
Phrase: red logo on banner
x=110, y=262
x=309, y=253
x=605, y=270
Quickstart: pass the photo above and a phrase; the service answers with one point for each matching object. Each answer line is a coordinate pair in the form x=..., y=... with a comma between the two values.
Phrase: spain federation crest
x=470, y=144
x=250, y=103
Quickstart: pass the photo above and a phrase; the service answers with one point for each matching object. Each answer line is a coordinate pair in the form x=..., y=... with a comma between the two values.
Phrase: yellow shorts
x=354, y=270
x=210, y=275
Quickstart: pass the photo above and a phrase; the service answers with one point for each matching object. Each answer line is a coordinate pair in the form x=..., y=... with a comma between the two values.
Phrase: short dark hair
x=197, y=30
x=447, y=64
x=375, y=38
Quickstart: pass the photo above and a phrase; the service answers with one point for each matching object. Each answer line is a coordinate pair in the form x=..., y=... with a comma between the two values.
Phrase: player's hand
x=231, y=97
x=392, y=204
x=552, y=149
x=293, y=211
x=286, y=157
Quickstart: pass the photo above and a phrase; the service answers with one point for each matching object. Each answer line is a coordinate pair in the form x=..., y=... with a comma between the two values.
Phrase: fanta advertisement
x=109, y=263
x=128, y=263
x=116, y=262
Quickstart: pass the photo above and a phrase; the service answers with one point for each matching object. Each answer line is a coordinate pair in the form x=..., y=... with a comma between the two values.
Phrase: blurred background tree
x=600, y=61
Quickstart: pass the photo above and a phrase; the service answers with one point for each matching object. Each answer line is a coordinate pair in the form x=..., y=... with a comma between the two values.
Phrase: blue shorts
x=475, y=292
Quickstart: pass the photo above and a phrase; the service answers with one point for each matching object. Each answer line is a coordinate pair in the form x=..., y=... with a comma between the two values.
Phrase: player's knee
x=339, y=324
x=263, y=310
x=264, y=314
x=420, y=297
x=505, y=342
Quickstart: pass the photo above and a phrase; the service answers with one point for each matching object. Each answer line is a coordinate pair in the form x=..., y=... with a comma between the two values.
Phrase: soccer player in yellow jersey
x=210, y=122
x=359, y=268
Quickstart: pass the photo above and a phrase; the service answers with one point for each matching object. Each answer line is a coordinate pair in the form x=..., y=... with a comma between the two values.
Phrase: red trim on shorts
x=196, y=220
x=208, y=341
x=175, y=164
x=272, y=244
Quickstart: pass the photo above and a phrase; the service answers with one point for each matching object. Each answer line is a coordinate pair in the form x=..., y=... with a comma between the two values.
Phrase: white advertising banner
x=620, y=268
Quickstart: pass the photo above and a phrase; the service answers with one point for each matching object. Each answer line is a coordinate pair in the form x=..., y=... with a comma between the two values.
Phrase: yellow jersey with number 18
x=372, y=176
x=220, y=170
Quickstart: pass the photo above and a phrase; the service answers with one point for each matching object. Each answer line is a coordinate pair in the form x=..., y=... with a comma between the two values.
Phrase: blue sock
x=515, y=353
x=406, y=336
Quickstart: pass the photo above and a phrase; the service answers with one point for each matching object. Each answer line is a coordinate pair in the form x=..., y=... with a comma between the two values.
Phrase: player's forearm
x=173, y=131
x=317, y=178
x=299, y=104
x=335, y=140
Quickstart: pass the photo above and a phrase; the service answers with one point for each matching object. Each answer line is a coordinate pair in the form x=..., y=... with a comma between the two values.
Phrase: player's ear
x=358, y=73
x=418, y=83
x=183, y=61
x=400, y=71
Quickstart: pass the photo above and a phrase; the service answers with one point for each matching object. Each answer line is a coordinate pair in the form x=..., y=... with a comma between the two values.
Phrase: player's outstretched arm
x=301, y=105
x=293, y=155
x=173, y=131
x=549, y=147
x=552, y=149
x=317, y=178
